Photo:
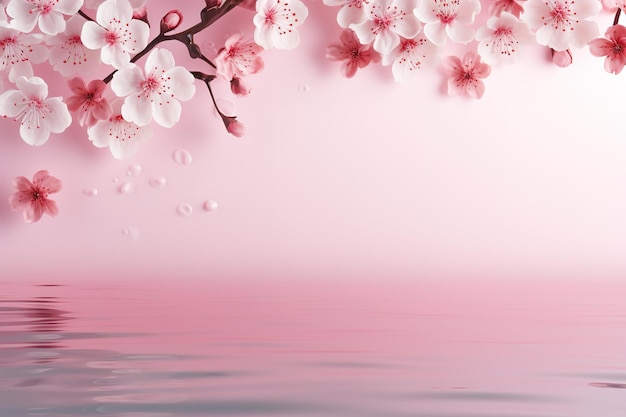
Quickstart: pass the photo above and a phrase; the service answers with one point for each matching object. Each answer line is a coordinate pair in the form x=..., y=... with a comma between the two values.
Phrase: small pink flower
x=353, y=54
x=511, y=6
x=88, y=102
x=613, y=48
x=171, y=21
x=562, y=58
x=238, y=58
x=32, y=197
x=465, y=76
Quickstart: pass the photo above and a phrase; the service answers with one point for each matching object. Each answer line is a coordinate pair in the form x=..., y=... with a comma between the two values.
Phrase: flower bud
x=562, y=58
x=233, y=126
x=210, y=4
x=239, y=87
x=141, y=13
x=171, y=21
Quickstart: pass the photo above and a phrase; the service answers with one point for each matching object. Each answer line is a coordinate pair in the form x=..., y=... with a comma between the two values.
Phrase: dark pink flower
x=87, y=101
x=238, y=58
x=511, y=6
x=353, y=54
x=32, y=197
x=233, y=126
x=465, y=76
x=562, y=58
x=171, y=20
x=613, y=48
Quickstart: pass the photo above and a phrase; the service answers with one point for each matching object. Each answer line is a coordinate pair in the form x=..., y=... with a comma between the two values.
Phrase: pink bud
x=239, y=87
x=171, y=20
x=233, y=126
x=562, y=58
x=140, y=13
x=210, y=4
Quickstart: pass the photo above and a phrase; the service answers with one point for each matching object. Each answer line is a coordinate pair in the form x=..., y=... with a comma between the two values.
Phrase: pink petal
x=22, y=184
x=19, y=200
x=348, y=69
x=43, y=179
x=32, y=213
x=600, y=47
x=77, y=86
x=615, y=64
x=167, y=113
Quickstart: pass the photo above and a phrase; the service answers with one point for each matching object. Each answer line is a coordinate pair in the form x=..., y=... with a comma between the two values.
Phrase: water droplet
x=115, y=180
x=157, y=182
x=134, y=170
x=181, y=157
x=184, y=210
x=304, y=88
x=227, y=107
x=130, y=233
x=127, y=188
x=209, y=46
x=210, y=205
x=90, y=192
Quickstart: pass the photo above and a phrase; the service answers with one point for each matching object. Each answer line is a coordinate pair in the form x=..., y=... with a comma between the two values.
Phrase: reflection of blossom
x=613, y=48
x=276, y=22
x=238, y=58
x=448, y=18
x=68, y=55
x=49, y=14
x=351, y=53
x=410, y=56
x=156, y=93
x=88, y=102
x=465, y=76
x=38, y=115
x=503, y=39
x=351, y=12
x=32, y=197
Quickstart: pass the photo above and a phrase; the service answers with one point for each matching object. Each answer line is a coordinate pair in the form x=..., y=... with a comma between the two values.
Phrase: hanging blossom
x=48, y=14
x=448, y=19
x=409, y=56
x=238, y=58
x=351, y=53
x=154, y=94
x=276, y=22
x=510, y=6
x=18, y=50
x=38, y=115
x=115, y=33
x=32, y=197
x=87, y=101
x=465, y=77
x=352, y=12
x=562, y=58
x=118, y=134
x=613, y=48
x=560, y=24
x=68, y=54
x=387, y=21
x=503, y=39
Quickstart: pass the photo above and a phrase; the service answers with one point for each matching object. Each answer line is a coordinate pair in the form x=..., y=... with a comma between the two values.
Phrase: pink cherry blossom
x=68, y=54
x=49, y=14
x=510, y=6
x=276, y=22
x=351, y=53
x=154, y=94
x=37, y=114
x=87, y=101
x=387, y=20
x=351, y=12
x=613, y=48
x=561, y=24
x=503, y=39
x=32, y=197
x=611, y=6
x=410, y=56
x=238, y=58
x=18, y=51
x=465, y=77
x=115, y=33
x=119, y=135
x=448, y=19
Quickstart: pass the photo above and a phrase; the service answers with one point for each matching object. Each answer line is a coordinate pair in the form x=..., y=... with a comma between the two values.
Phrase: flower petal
x=43, y=179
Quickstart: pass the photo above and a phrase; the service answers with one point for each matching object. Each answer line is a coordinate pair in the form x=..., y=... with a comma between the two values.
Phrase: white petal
x=24, y=15
x=99, y=134
x=385, y=42
x=584, y=32
x=12, y=103
x=51, y=23
x=59, y=117
x=33, y=87
x=181, y=83
x=364, y=32
x=459, y=33
x=285, y=40
x=167, y=113
x=138, y=109
x=112, y=10
x=436, y=33
x=426, y=11
x=34, y=135
x=467, y=11
x=408, y=27
x=127, y=81
x=69, y=7
x=159, y=59
x=351, y=15
x=93, y=35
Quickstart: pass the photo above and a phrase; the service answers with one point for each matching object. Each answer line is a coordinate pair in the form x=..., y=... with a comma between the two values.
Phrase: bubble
x=304, y=88
x=130, y=233
x=115, y=180
x=184, y=210
x=90, y=192
x=134, y=170
x=157, y=182
x=127, y=188
x=181, y=157
x=210, y=205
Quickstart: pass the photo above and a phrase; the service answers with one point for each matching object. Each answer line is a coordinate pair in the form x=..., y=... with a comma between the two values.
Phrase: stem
x=80, y=12
x=617, y=13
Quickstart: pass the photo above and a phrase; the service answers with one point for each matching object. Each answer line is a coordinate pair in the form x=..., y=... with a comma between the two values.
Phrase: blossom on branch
x=613, y=48
x=49, y=14
x=238, y=58
x=276, y=22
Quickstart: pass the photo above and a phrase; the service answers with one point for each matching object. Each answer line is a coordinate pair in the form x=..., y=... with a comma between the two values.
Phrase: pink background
x=344, y=178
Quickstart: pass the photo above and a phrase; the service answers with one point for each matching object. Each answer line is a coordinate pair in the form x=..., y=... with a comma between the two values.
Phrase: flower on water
x=37, y=114
x=68, y=54
x=115, y=33
x=49, y=14
x=410, y=56
x=562, y=58
x=119, y=135
x=154, y=94
x=32, y=197
x=561, y=24
x=448, y=18
x=351, y=12
x=511, y=6
x=351, y=53
x=276, y=22
x=465, y=77
x=238, y=58
x=503, y=39
x=87, y=101
x=18, y=50
x=387, y=20
x=613, y=48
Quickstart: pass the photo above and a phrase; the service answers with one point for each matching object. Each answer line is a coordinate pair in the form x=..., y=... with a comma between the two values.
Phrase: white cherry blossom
x=48, y=14
x=351, y=12
x=448, y=19
x=503, y=39
x=38, y=115
x=115, y=33
x=410, y=56
x=155, y=93
x=276, y=22
x=68, y=54
x=18, y=50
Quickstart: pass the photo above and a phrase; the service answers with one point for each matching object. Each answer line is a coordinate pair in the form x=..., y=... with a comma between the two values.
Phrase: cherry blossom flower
x=32, y=197
x=352, y=53
x=88, y=102
x=448, y=18
x=503, y=39
x=38, y=115
x=465, y=77
x=68, y=54
x=387, y=20
x=115, y=33
x=18, y=51
x=238, y=58
x=351, y=12
x=47, y=13
x=561, y=24
x=613, y=48
x=511, y=6
x=410, y=56
x=118, y=134
x=611, y=6
x=276, y=22
x=156, y=93
x=562, y=58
